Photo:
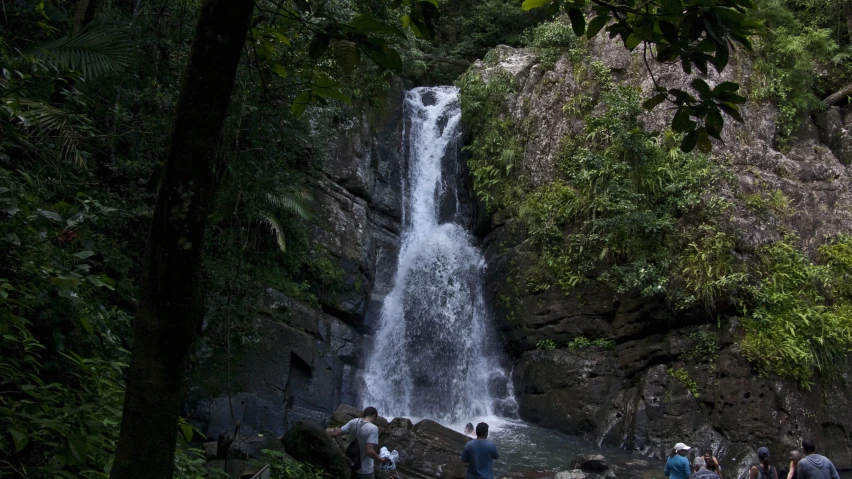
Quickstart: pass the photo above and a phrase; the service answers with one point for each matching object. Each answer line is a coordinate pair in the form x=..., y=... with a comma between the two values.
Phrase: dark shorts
x=355, y=475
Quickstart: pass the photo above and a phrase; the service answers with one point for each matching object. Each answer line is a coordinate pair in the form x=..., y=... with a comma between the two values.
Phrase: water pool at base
x=528, y=451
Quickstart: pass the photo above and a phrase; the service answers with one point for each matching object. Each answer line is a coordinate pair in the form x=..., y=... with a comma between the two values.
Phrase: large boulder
x=426, y=450
x=307, y=441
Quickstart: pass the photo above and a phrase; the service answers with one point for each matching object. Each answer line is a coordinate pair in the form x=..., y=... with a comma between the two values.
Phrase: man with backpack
x=363, y=440
x=813, y=465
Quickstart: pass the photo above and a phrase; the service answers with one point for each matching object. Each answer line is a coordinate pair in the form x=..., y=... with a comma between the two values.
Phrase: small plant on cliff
x=546, y=344
x=550, y=40
x=582, y=342
x=683, y=377
x=703, y=346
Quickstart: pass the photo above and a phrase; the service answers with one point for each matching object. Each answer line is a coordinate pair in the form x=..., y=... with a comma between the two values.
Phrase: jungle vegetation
x=148, y=148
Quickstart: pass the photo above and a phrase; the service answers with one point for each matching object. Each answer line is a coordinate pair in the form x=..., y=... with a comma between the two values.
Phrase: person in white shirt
x=368, y=441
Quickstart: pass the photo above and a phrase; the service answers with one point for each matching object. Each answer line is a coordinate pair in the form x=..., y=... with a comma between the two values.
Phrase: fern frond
x=276, y=228
x=91, y=52
x=68, y=128
x=291, y=203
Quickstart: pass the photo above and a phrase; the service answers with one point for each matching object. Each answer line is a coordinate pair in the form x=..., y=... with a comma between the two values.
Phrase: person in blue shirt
x=677, y=466
x=479, y=454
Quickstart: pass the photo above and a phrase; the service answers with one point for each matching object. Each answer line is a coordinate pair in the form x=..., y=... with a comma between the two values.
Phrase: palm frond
x=68, y=128
x=291, y=203
x=91, y=52
x=276, y=228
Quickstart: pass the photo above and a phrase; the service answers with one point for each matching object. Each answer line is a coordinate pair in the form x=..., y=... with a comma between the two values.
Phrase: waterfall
x=434, y=352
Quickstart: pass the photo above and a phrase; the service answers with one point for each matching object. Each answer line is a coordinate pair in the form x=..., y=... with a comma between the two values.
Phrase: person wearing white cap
x=677, y=465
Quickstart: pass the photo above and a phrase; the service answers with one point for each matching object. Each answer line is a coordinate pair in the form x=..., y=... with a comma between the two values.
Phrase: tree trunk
x=84, y=14
x=838, y=95
x=847, y=12
x=169, y=310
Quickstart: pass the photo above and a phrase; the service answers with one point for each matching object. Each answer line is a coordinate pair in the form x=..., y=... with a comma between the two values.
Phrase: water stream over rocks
x=435, y=354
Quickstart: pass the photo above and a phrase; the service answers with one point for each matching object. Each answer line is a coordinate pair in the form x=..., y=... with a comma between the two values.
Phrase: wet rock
x=590, y=462
x=575, y=474
x=401, y=422
x=343, y=414
x=307, y=441
x=427, y=449
x=294, y=366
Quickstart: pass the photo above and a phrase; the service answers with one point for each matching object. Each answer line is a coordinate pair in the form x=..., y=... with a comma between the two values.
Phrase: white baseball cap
x=681, y=447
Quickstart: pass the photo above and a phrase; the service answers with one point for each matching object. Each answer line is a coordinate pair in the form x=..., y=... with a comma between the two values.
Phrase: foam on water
x=434, y=354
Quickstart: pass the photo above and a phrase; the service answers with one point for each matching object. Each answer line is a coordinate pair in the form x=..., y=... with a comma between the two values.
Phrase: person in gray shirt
x=367, y=434
x=815, y=466
x=702, y=472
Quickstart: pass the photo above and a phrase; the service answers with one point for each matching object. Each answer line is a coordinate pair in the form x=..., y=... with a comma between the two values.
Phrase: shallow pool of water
x=528, y=451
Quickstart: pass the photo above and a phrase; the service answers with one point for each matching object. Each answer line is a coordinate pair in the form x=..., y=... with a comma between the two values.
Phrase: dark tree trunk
x=84, y=15
x=847, y=12
x=169, y=306
x=838, y=96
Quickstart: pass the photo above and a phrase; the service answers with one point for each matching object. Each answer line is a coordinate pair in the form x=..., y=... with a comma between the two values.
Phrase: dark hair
x=482, y=430
x=468, y=427
x=370, y=412
x=808, y=446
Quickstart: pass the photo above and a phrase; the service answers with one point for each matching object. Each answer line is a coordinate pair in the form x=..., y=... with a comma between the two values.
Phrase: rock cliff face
x=625, y=395
x=298, y=361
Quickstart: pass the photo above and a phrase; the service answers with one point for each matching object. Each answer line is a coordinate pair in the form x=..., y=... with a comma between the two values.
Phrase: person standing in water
x=479, y=454
x=815, y=466
x=712, y=463
x=763, y=470
x=468, y=430
x=677, y=465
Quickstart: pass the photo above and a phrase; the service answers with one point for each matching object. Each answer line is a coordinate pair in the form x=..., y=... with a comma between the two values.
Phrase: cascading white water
x=434, y=353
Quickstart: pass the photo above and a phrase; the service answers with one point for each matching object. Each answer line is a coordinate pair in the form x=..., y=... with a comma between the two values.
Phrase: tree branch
x=838, y=96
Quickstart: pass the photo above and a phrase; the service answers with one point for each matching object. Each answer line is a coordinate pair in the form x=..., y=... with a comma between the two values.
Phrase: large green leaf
x=91, y=52
x=531, y=4
x=347, y=55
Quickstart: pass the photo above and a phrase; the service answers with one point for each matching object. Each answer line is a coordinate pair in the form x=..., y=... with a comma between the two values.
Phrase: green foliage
x=798, y=315
x=284, y=467
x=620, y=204
x=682, y=377
x=92, y=52
x=550, y=40
x=468, y=29
x=695, y=33
x=546, y=344
x=63, y=357
x=788, y=54
x=84, y=123
x=703, y=346
x=496, y=147
x=582, y=342
x=190, y=464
